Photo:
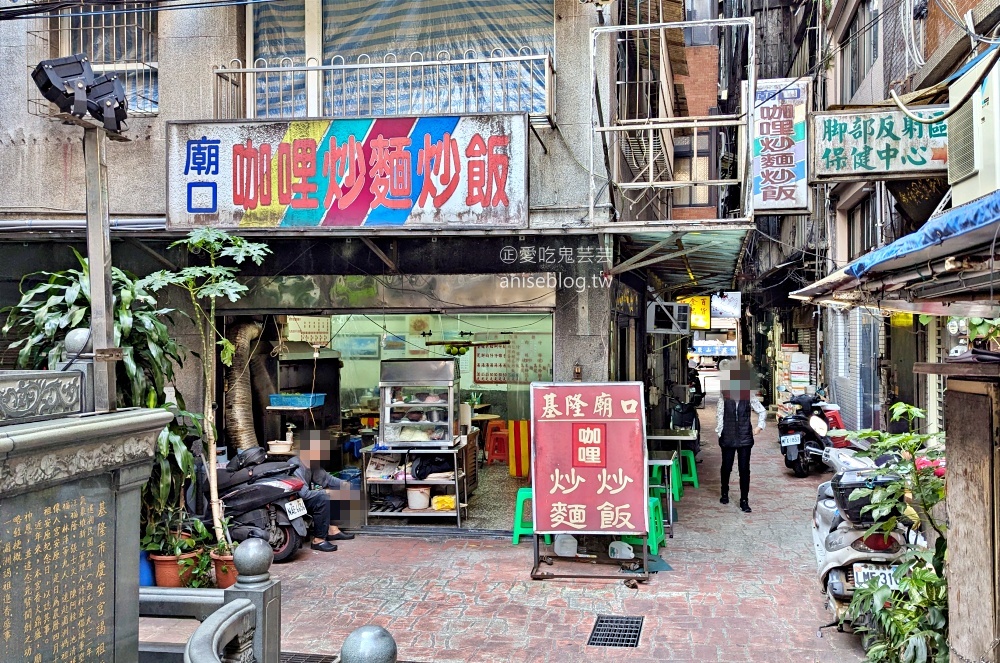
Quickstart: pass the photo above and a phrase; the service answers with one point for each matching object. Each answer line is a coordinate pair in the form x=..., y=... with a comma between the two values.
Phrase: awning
x=926, y=257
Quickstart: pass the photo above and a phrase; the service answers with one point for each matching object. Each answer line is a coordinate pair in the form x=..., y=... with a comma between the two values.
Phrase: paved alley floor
x=742, y=588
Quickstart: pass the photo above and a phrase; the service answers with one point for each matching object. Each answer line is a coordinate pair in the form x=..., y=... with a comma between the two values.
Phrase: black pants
x=318, y=506
x=728, y=454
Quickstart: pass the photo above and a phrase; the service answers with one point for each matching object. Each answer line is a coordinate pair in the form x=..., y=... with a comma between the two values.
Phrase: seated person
x=318, y=489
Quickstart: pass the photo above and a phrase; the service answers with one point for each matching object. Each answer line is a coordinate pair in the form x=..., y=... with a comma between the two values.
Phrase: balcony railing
x=522, y=83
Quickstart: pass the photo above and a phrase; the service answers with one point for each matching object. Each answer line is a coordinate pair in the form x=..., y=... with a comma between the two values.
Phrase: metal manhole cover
x=615, y=631
x=308, y=658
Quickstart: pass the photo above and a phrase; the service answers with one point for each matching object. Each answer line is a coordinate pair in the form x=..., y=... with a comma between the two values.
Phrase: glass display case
x=419, y=406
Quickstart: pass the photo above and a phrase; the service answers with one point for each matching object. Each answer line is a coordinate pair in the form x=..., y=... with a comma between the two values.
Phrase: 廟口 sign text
x=440, y=171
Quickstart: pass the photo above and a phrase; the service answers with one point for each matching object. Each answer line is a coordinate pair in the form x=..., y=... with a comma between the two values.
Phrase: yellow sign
x=901, y=320
x=701, y=311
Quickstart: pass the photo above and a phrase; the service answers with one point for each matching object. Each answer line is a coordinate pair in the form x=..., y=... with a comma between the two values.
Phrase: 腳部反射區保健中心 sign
x=588, y=458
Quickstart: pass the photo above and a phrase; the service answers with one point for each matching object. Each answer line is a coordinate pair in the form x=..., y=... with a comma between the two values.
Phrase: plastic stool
x=691, y=475
x=496, y=447
x=676, y=485
x=657, y=534
x=495, y=426
x=522, y=526
x=656, y=488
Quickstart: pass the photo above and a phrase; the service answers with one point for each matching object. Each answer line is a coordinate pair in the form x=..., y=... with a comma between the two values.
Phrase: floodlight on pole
x=64, y=82
x=107, y=102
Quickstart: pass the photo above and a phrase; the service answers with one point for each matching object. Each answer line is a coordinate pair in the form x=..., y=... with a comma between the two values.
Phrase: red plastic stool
x=495, y=426
x=496, y=449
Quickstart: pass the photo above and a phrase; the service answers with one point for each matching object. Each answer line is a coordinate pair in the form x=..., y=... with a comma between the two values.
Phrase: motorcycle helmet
x=249, y=458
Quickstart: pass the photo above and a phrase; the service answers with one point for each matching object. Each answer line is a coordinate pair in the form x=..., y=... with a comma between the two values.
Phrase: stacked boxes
x=792, y=373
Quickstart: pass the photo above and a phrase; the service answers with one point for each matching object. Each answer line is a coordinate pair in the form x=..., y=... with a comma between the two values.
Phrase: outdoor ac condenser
x=974, y=135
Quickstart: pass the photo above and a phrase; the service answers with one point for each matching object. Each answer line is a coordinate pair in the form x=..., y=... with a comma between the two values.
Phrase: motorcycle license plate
x=789, y=440
x=295, y=509
x=883, y=574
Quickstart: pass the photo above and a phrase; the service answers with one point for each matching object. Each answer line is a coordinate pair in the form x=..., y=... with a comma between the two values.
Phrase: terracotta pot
x=167, y=569
x=225, y=570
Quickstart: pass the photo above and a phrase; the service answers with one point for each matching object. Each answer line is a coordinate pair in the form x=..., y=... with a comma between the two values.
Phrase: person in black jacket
x=318, y=489
x=735, y=430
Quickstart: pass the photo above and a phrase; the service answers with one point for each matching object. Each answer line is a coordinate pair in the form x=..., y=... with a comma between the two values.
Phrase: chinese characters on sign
x=886, y=143
x=467, y=170
x=700, y=311
x=57, y=577
x=780, y=180
x=490, y=366
x=588, y=458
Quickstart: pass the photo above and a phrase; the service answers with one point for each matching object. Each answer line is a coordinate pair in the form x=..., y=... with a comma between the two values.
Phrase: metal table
x=666, y=459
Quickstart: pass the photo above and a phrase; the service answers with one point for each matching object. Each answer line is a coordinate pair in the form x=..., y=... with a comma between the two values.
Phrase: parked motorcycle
x=803, y=433
x=261, y=501
x=845, y=555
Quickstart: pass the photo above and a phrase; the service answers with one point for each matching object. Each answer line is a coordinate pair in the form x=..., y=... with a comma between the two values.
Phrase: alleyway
x=742, y=588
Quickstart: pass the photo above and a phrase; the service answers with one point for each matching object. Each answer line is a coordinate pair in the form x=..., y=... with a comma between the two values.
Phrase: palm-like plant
x=61, y=303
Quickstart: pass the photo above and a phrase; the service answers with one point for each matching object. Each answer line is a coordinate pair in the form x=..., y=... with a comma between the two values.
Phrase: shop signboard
x=701, y=311
x=880, y=144
x=780, y=164
x=588, y=450
x=726, y=310
x=714, y=349
x=442, y=171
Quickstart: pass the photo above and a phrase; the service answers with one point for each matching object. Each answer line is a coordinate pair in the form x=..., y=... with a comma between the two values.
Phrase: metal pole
x=99, y=256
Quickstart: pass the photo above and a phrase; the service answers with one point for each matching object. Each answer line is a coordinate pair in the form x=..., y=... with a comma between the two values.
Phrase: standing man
x=734, y=428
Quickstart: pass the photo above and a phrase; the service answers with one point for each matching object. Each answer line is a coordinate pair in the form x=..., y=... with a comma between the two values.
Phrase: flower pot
x=225, y=570
x=167, y=569
x=146, y=578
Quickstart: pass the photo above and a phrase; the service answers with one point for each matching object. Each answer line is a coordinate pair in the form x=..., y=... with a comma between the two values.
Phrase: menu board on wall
x=491, y=364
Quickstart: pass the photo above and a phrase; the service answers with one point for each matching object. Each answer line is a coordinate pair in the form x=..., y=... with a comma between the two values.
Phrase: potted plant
x=196, y=569
x=204, y=284
x=169, y=547
x=222, y=560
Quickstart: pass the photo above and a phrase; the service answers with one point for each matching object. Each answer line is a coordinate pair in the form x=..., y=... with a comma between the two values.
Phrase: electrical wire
x=957, y=105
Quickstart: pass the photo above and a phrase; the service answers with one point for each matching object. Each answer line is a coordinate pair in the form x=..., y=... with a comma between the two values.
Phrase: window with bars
x=692, y=164
x=701, y=10
x=859, y=48
x=118, y=39
x=862, y=227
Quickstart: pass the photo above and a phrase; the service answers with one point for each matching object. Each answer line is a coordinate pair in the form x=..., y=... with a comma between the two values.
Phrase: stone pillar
x=253, y=558
x=69, y=524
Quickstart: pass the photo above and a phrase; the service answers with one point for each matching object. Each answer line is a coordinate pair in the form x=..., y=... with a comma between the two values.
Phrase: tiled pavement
x=742, y=588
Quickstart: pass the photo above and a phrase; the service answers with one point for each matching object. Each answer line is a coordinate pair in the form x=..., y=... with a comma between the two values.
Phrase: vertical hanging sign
x=588, y=450
x=780, y=164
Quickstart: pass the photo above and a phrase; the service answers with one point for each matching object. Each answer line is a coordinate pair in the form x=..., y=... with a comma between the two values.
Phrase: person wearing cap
x=735, y=430
x=318, y=488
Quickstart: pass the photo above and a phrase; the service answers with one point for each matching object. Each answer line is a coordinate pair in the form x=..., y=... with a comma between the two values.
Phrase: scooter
x=261, y=500
x=845, y=555
x=803, y=434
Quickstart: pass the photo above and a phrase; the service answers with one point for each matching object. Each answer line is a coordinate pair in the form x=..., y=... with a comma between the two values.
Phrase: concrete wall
x=41, y=160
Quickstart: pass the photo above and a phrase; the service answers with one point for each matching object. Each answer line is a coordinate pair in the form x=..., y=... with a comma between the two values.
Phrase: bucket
x=418, y=498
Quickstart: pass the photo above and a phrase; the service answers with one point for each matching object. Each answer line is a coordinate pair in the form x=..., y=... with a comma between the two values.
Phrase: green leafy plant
x=166, y=535
x=198, y=570
x=61, y=303
x=173, y=466
x=204, y=285
x=908, y=624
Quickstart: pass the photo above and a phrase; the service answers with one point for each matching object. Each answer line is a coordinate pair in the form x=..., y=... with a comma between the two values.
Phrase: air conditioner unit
x=668, y=318
x=974, y=135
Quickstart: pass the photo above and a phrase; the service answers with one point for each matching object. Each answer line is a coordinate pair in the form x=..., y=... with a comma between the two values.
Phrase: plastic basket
x=297, y=400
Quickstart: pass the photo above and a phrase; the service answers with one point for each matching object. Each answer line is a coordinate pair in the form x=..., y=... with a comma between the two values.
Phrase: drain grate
x=615, y=631
x=287, y=657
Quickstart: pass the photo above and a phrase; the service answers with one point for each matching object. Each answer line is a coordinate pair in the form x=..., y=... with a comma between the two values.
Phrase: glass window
x=701, y=10
x=120, y=42
x=862, y=229
x=689, y=166
x=859, y=49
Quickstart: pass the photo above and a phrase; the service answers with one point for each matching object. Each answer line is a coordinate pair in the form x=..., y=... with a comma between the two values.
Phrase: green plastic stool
x=657, y=534
x=522, y=526
x=656, y=488
x=691, y=475
x=676, y=485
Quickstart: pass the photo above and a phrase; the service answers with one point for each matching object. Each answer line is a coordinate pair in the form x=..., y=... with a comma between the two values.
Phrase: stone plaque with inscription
x=55, y=573
x=69, y=535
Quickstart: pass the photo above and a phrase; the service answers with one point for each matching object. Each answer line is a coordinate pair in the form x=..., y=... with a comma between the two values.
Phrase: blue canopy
x=956, y=232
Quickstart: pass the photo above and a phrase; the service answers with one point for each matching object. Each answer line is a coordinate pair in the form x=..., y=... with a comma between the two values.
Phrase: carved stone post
x=253, y=558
